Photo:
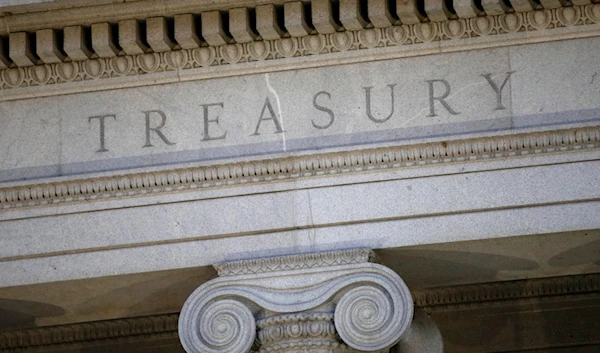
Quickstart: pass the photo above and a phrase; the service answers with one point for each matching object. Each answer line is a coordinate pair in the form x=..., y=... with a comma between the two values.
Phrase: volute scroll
x=331, y=302
x=221, y=326
x=369, y=319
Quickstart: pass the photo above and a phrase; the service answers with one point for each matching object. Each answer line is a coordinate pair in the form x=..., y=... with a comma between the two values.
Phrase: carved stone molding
x=441, y=298
x=298, y=331
x=488, y=293
x=369, y=304
x=294, y=262
x=147, y=327
x=26, y=76
x=157, y=182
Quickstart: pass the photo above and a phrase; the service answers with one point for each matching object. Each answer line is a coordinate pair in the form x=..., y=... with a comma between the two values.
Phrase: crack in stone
x=274, y=92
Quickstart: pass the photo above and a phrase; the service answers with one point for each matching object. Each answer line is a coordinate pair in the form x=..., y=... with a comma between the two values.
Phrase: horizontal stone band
x=166, y=57
x=298, y=167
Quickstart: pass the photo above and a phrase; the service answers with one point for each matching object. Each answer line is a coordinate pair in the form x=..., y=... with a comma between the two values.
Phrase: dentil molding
x=99, y=59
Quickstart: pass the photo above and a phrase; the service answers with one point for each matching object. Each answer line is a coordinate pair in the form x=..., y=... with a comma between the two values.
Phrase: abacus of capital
x=330, y=302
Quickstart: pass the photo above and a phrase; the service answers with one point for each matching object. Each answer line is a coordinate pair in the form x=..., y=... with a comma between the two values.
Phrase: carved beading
x=158, y=182
x=282, y=333
x=294, y=262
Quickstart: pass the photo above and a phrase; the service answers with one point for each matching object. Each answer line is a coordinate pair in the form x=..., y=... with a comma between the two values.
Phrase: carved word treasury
x=268, y=121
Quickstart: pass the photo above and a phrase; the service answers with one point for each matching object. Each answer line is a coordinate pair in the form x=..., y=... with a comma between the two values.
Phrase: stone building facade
x=300, y=176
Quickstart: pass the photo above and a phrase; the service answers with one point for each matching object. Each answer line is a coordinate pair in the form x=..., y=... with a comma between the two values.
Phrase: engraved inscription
x=323, y=109
x=368, y=104
x=156, y=129
x=102, y=129
x=215, y=121
x=440, y=98
x=272, y=117
x=498, y=90
x=382, y=105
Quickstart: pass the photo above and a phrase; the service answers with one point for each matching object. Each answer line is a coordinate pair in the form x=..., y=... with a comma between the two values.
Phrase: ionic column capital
x=325, y=302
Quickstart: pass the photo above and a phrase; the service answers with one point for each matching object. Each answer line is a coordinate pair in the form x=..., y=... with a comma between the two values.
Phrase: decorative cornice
x=158, y=182
x=507, y=291
x=60, y=14
x=139, y=327
x=316, y=48
x=294, y=262
x=150, y=326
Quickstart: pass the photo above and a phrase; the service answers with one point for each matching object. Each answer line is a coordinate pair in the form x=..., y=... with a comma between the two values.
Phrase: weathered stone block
x=494, y=7
x=436, y=10
x=295, y=19
x=351, y=16
x=102, y=40
x=157, y=34
x=525, y=5
x=551, y=4
x=466, y=8
x=185, y=31
x=267, y=22
x=75, y=43
x=212, y=28
x=20, y=49
x=239, y=25
x=4, y=60
x=408, y=11
x=130, y=37
x=379, y=13
x=322, y=16
x=47, y=46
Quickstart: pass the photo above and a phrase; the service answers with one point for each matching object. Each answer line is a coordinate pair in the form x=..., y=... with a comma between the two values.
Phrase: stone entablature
x=171, y=50
x=331, y=302
x=469, y=297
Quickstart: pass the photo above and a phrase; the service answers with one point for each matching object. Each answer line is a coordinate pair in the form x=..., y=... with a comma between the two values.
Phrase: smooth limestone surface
x=439, y=97
x=551, y=85
x=260, y=213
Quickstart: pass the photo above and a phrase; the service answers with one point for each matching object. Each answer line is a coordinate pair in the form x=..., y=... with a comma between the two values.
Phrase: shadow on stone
x=426, y=268
x=586, y=254
x=17, y=314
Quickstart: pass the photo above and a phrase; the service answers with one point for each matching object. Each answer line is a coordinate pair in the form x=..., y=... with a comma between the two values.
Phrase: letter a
x=272, y=117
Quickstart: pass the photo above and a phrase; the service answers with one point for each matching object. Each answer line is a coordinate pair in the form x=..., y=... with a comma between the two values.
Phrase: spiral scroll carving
x=338, y=302
x=368, y=318
x=222, y=326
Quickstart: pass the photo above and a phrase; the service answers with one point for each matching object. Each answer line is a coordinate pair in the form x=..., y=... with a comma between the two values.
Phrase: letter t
x=101, y=119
